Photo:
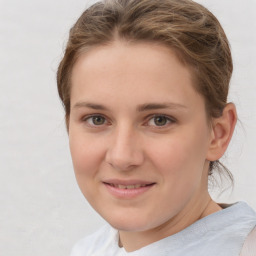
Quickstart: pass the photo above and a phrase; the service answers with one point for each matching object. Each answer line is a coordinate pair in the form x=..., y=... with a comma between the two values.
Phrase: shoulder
x=96, y=243
x=223, y=232
x=236, y=227
x=237, y=215
x=249, y=246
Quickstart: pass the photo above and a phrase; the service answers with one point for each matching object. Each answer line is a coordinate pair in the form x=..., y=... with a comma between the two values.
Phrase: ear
x=222, y=131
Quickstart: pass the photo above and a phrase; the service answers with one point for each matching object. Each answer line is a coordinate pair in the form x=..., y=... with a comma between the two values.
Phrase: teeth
x=121, y=186
x=128, y=186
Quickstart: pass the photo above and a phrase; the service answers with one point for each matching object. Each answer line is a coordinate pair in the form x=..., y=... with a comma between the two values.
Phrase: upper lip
x=127, y=182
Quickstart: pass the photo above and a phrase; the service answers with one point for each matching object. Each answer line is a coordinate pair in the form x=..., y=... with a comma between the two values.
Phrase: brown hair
x=187, y=27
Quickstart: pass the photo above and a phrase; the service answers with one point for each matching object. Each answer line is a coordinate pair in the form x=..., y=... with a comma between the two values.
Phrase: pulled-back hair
x=188, y=28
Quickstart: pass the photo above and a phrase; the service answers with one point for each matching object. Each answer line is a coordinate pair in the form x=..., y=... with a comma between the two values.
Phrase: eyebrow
x=154, y=106
x=90, y=105
x=140, y=108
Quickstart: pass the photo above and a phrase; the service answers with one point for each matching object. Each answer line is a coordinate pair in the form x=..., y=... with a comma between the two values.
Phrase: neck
x=194, y=211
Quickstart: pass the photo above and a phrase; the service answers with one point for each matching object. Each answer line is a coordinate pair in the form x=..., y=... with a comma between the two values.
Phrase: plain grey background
x=42, y=210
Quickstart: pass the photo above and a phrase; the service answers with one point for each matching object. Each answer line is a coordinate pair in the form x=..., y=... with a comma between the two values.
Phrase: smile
x=127, y=189
x=128, y=186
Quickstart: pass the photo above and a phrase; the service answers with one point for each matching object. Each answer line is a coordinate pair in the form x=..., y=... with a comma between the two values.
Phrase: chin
x=130, y=223
x=129, y=227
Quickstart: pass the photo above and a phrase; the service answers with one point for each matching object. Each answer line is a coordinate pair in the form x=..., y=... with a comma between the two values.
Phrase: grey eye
x=96, y=120
x=160, y=120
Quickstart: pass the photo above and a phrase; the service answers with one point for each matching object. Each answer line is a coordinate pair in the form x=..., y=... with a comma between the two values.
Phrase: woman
x=144, y=85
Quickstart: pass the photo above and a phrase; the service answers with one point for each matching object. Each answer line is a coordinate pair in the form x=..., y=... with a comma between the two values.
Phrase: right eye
x=95, y=120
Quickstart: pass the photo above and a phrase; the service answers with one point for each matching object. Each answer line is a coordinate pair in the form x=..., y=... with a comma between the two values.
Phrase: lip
x=141, y=187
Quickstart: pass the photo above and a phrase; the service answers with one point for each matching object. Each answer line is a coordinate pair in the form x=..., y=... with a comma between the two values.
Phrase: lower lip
x=127, y=193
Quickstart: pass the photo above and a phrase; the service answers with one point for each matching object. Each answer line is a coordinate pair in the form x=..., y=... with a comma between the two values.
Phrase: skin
x=136, y=117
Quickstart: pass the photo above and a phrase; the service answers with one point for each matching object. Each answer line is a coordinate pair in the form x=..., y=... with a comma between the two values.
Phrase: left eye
x=159, y=121
x=96, y=120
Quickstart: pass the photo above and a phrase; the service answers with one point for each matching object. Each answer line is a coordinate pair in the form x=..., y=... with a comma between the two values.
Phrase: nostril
x=121, y=164
x=124, y=153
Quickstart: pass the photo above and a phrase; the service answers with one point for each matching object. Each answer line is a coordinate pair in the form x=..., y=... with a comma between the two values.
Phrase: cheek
x=86, y=154
x=180, y=156
x=87, y=158
x=181, y=165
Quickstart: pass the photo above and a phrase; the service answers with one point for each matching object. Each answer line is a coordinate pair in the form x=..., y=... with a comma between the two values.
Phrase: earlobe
x=222, y=131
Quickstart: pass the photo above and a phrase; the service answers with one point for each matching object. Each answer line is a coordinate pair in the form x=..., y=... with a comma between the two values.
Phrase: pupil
x=160, y=120
x=98, y=120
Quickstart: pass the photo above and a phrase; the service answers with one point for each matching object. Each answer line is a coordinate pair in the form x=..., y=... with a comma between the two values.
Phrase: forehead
x=141, y=71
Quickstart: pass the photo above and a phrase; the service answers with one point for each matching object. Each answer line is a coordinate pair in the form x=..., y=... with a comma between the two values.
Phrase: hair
x=188, y=28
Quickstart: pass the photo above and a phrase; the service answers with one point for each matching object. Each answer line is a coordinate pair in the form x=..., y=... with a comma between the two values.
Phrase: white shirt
x=220, y=234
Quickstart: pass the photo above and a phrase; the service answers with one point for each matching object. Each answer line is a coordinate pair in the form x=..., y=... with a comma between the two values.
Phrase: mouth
x=128, y=189
x=120, y=186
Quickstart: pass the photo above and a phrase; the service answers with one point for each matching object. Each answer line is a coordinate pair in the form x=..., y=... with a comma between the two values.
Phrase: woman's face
x=139, y=136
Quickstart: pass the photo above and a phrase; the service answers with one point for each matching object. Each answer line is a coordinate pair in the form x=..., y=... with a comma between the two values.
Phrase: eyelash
x=168, y=120
x=87, y=118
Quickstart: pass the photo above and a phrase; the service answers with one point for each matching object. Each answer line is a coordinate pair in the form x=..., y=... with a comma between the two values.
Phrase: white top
x=222, y=233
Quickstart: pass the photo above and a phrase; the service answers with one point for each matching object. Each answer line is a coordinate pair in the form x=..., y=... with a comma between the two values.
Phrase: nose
x=125, y=150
